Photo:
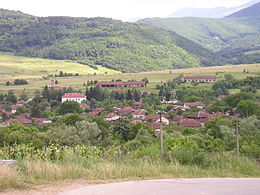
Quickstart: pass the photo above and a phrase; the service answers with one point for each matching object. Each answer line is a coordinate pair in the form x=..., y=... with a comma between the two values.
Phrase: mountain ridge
x=127, y=47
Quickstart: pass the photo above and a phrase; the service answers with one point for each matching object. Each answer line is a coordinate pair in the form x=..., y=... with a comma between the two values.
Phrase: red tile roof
x=73, y=95
x=155, y=117
x=14, y=107
x=121, y=83
x=199, y=115
x=85, y=106
x=191, y=104
x=140, y=112
x=190, y=123
x=21, y=102
x=111, y=115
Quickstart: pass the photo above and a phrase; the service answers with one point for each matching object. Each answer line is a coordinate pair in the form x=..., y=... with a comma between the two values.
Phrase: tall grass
x=9, y=177
x=93, y=170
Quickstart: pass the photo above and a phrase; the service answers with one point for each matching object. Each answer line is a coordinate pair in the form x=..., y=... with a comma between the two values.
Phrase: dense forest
x=128, y=47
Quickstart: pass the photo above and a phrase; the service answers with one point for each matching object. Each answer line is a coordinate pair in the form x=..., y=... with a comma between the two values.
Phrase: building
x=200, y=79
x=199, y=105
x=121, y=84
x=111, y=117
x=76, y=97
x=156, y=119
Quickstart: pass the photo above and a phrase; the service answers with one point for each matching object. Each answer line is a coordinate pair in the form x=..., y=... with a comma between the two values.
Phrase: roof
x=121, y=83
x=154, y=117
x=154, y=125
x=74, y=95
x=126, y=110
x=140, y=112
x=21, y=102
x=200, y=77
x=199, y=115
x=85, y=106
x=191, y=104
x=111, y=115
x=14, y=107
x=190, y=123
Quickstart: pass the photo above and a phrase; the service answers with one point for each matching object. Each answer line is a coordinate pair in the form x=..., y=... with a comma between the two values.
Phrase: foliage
x=70, y=107
x=127, y=47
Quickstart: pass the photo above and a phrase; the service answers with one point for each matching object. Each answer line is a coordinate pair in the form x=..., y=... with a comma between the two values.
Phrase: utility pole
x=161, y=133
x=237, y=137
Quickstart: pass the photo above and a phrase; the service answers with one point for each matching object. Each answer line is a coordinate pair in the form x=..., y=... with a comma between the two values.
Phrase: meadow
x=34, y=69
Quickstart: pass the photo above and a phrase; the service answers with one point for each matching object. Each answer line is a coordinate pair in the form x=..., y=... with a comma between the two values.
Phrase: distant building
x=76, y=97
x=111, y=117
x=121, y=84
x=188, y=105
x=200, y=79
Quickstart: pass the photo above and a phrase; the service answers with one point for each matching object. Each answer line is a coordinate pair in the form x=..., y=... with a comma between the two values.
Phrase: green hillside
x=211, y=33
x=127, y=47
x=235, y=37
x=252, y=12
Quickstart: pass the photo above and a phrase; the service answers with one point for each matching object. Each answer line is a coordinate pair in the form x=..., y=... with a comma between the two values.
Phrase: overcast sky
x=117, y=9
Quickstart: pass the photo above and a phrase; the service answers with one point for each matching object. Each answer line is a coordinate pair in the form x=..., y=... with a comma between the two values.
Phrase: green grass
x=33, y=69
x=30, y=173
x=23, y=67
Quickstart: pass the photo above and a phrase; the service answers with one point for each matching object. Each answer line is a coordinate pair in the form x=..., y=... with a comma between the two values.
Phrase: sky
x=117, y=9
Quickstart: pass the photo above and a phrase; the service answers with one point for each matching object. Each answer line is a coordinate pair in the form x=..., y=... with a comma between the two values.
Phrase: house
x=138, y=104
x=41, y=121
x=2, y=108
x=140, y=113
x=14, y=107
x=21, y=102
x=111, y=117
x=77, y=97
x=222, y=97
x=26, y=119
x=156, y=118
x=126, y=111
x=189, y=105
x=121, y=84
x=177, y=108
x=199, y=115
x=201, y=79
x=85, y=106
x=190, y=123
x=155, y=126
x=96, y=111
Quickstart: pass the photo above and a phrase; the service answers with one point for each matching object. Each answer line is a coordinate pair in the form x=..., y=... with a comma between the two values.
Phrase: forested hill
x=235, y=37
x=252, y=11
x=128, y=47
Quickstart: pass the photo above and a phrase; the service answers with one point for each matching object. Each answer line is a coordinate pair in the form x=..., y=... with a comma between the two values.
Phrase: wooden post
x=9, y=152
x=237, y=138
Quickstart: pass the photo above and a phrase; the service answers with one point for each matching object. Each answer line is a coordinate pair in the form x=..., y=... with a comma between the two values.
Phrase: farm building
x=121, y=84
x=200, y=79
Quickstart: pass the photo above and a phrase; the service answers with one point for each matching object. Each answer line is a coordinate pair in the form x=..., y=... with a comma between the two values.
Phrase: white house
x=76, y=97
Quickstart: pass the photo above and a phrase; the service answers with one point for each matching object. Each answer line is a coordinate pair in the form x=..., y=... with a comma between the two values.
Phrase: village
x=137, y=113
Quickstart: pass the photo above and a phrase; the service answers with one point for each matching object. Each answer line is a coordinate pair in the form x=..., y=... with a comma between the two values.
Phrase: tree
x=87, y=131
x=122, y=128
x=129, y=95
x=234, y=99
x=46, y=93
x=71, y=119
x=23, y=96
x=11, y=97
x=247, y=108
x=70, y=107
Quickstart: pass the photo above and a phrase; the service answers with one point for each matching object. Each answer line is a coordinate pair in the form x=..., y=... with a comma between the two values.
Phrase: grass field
x=23, y=67
x=33, y=69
